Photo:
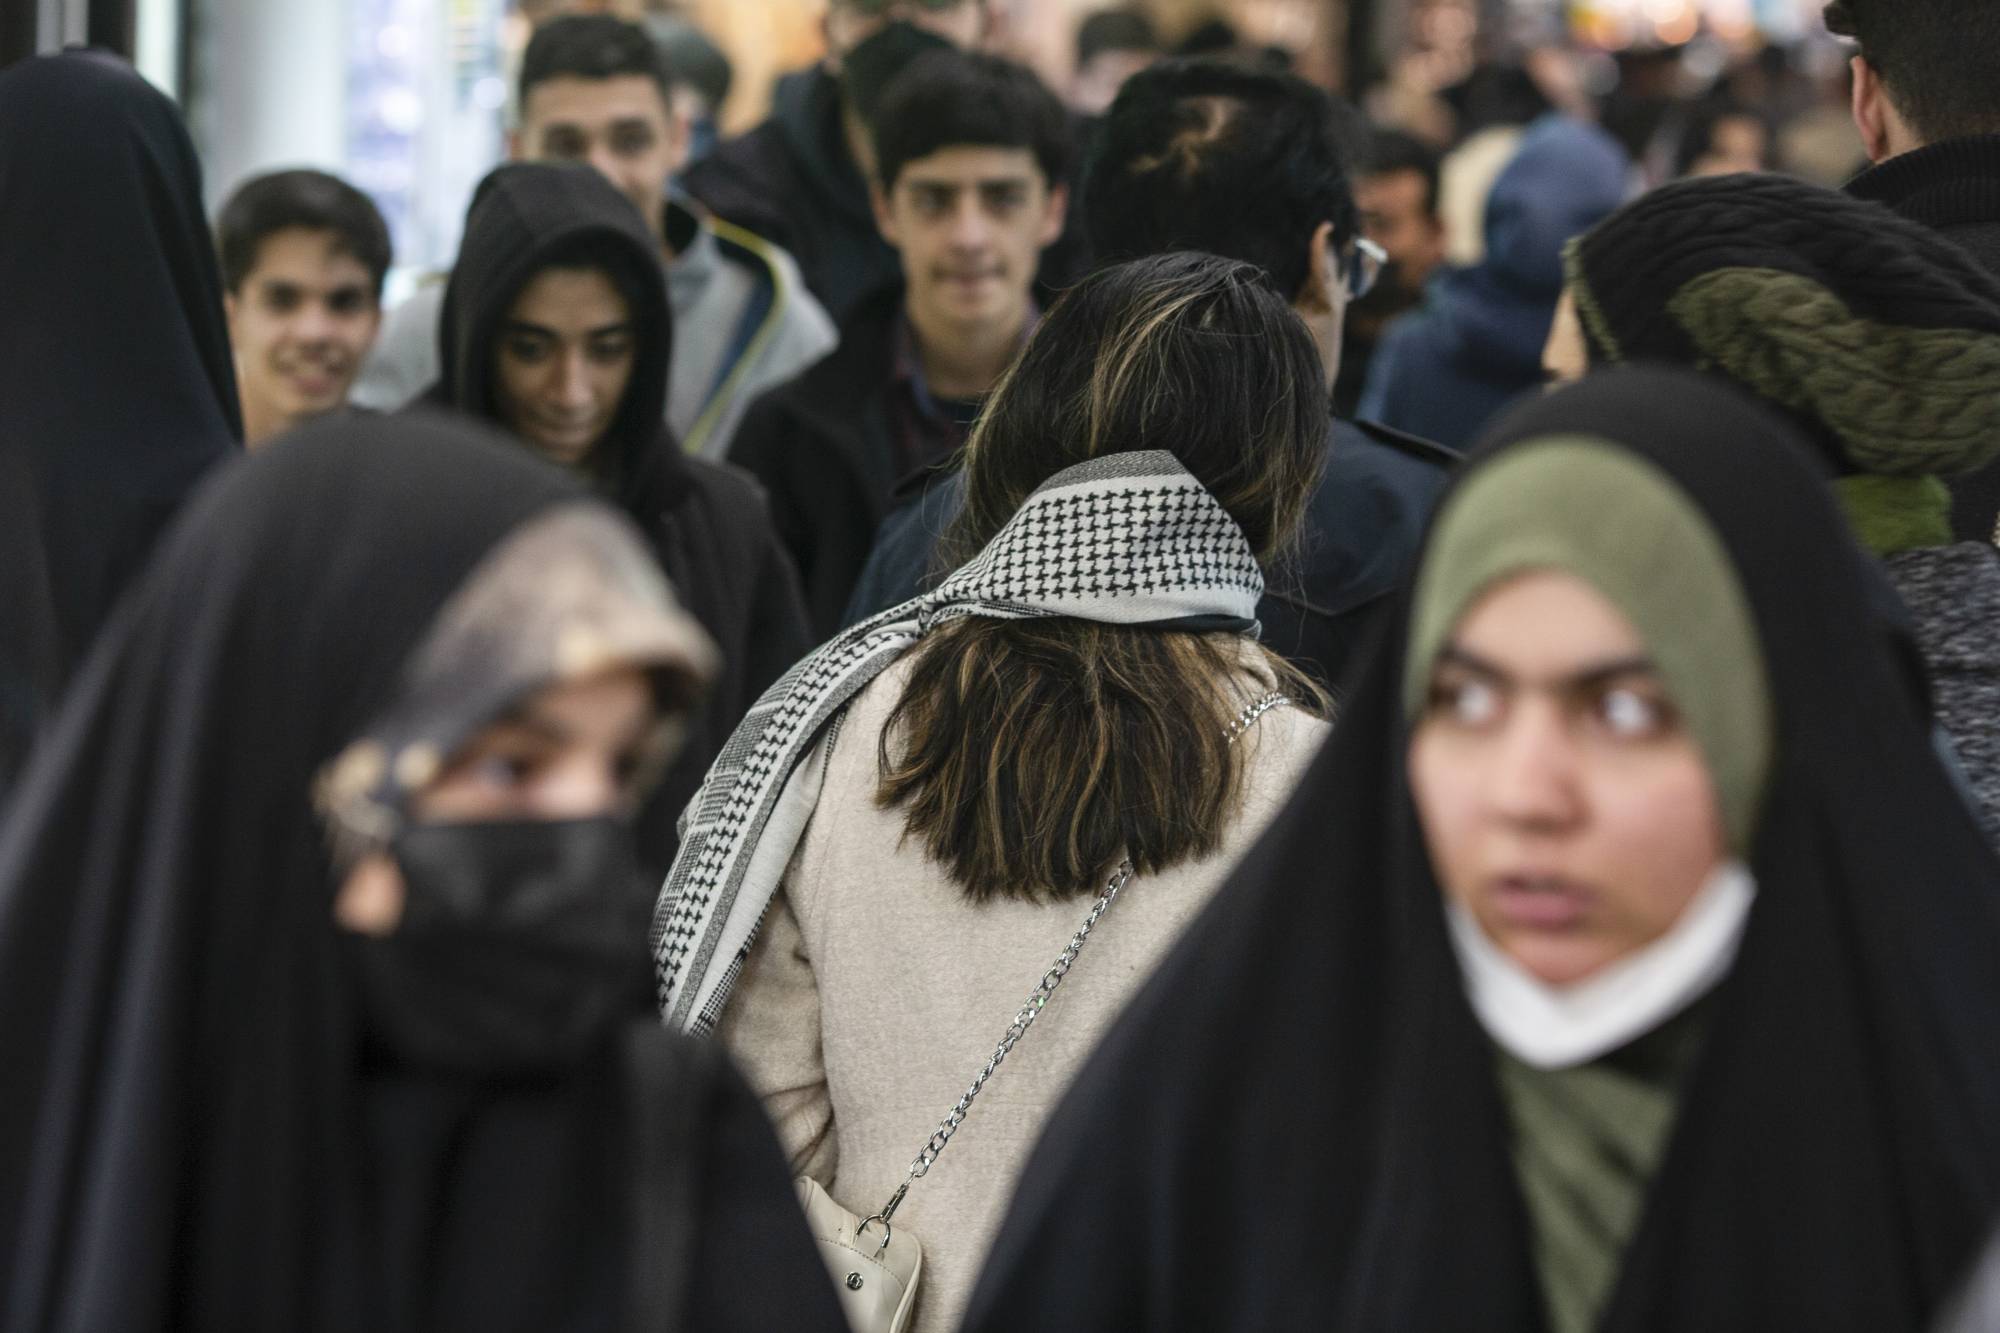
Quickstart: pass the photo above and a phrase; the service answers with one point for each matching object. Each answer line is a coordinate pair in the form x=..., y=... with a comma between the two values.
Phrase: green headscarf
x=1588, y=508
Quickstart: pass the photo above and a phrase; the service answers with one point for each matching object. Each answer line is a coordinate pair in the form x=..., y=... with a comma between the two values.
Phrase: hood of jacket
x=1565, y=178
x=525, y=218
x=806, y=109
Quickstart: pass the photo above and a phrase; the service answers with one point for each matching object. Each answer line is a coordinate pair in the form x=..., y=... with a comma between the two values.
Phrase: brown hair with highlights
x=1031, y=756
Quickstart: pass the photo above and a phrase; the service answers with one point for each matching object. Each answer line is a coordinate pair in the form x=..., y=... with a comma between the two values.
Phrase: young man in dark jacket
x=801, y=178
x=1927, y=103
x=970, y=152
x=1184, y=145
x=556, y=326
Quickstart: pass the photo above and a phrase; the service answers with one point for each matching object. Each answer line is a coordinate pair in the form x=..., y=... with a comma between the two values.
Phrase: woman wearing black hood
x=556, y=326
x=1625, y=962
x=317, y=931
x=116, y=386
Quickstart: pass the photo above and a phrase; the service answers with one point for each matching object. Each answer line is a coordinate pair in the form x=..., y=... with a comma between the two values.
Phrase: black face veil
x=116, y=385
x=1298, y=1124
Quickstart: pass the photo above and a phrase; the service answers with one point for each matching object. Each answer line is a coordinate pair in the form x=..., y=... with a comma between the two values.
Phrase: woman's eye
x=503, y=771
x=610, y=353
x=1469, y=703
x=527, y=349
x=1631, y=714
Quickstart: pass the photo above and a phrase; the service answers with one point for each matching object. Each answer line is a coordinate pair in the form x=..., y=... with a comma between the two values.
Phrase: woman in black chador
x=116, y=386
x=319, y=931
x=1625, y=962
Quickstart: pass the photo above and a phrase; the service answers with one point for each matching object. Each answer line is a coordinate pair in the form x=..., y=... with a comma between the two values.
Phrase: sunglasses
x=1364, y=267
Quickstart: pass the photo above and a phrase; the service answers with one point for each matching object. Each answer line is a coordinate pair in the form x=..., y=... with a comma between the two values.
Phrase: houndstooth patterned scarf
x=1130, y=539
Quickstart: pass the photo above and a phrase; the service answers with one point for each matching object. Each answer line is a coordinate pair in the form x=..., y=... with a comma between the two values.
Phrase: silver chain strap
x=1037, y=1001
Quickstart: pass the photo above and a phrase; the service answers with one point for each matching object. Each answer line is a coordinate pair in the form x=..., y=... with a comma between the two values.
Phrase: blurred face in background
x=1398, y=214
x=849, y=23
x=563, y=361
x=970, y=224
x=1099, y=79
x=301, y=324
x=622, y=126
x=1735, y=143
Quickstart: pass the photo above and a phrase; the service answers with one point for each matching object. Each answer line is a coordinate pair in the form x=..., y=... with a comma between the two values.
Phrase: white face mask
x=1559, y=1027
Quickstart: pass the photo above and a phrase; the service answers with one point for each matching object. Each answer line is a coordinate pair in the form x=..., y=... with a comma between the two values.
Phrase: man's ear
x=229, y=311
x=1872, y=111
x=885, y=221
x=515, y=145
x=1323, y=285
x=1058, y=214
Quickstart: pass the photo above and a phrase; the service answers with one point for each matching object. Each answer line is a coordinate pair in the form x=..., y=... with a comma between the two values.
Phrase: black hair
x=1937, y=59
x=265, y=205
x=688, y=57
x=1391, y=151
x=591, y=46
x=952, y=99
x=1212, y=37
x=1495, y=94
x=1204, y=155
x=1114, y=30
x=1698, y=135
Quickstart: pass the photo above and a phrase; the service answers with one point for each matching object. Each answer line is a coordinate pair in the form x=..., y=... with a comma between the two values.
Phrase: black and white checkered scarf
x=1130, y=539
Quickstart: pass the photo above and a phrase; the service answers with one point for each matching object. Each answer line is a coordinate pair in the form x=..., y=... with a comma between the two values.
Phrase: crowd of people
x=1447, y=644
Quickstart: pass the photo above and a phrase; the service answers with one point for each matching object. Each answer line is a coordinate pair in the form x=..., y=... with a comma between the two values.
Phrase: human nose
x=1533, y=780
x=315, y=323
x=604, y=161
x=572, y=386
x=583, y=788
x=970, y=227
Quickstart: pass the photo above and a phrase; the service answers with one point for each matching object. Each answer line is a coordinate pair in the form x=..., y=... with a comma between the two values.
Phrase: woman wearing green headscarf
x=1624, y=963
x=1877, y=336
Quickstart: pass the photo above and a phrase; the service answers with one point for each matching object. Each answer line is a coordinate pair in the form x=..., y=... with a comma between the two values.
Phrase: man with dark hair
x=1927, y=103
x=1202, y=155
x=1111, y=46
x=970, y=155
x=801, y=178
x=593, y=89
x=304, y=255
x=1396, y=189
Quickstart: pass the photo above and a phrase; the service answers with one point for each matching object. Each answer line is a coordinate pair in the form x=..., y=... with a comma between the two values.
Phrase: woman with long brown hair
x=891, y=851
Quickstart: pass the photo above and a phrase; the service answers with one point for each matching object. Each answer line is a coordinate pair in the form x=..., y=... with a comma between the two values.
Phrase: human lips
x=314, y=380
x=1537, y=901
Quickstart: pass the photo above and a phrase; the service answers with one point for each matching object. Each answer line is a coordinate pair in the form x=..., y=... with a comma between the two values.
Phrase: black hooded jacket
x=792, y=181
x=709, y=524
x=117, y=390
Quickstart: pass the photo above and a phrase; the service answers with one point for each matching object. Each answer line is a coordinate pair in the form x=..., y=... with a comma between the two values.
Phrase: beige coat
x=876, y=991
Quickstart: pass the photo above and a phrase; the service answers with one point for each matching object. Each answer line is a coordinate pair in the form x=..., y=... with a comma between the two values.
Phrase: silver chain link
x=1039, y=1000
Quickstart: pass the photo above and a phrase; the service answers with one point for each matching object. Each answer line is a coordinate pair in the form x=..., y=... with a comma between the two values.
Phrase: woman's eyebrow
x=1583, y=678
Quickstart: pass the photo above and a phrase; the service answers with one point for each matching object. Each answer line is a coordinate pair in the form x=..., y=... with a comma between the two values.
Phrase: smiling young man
x=303, y=259
x=594, y=90
x=970, y=153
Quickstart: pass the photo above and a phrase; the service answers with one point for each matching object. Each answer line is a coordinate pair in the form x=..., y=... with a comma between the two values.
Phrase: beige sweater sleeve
x=772, y=1028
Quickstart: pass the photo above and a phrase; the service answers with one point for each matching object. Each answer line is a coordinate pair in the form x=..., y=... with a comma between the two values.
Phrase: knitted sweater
x=1953, y=593
x=876, y=990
